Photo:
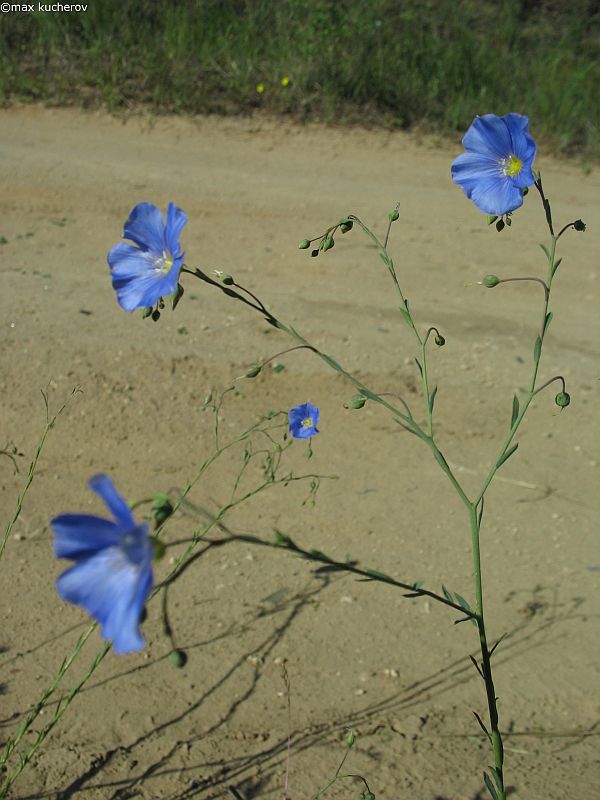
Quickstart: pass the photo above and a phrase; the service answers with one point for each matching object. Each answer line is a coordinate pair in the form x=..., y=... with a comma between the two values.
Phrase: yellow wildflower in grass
x=260, y=87
x=285, y=81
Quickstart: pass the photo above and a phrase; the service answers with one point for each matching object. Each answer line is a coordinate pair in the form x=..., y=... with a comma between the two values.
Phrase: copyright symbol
x=5, y=7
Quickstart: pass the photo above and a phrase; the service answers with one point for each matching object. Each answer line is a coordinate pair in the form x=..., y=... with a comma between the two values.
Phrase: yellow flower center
x=164, y=264
x=512, y=166
x=307, y=422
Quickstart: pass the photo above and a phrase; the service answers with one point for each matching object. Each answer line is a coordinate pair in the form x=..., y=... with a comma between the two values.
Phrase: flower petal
x=79, y=535
x=103, y=486
x=113, y=591
x=176, y=219
x=146, y=228
x=497, y=196
x=488, y=135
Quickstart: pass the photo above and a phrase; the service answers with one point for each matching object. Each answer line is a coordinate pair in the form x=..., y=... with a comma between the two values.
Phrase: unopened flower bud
x=394, y=215
x=562, y=399
x=155, y=315
x=328, y=243
x=350, y=738
x=158, y=549
x=314, y=253
x=178, y=658
x=346, y=225
x=356, y=401
x=490, y=281
x=253, y=371
x=500, y=225
x=304, y=244
x=162, y=508
x=439, y=340
x=579, y=225
x=146, y=312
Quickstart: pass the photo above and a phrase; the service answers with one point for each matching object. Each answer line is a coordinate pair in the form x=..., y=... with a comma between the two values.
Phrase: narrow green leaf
x=482, y=726
x=368, y=393
x=466, y=607
x=547, y=321
x=380, y=575
x=419, y=366
x=537, y=349
x=478, y=668
x=496, y=777
x=463, y=603
x=546, y=251
x=490, y=786
x=506, y=456
x=332, y=362
x=417, y=584
x=556, y=265
x=447, y=594
x=405, y=316
x=515, y=411
x=432, y=399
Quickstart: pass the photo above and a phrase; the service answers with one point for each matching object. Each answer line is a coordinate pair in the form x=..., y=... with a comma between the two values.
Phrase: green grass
x=428, y=64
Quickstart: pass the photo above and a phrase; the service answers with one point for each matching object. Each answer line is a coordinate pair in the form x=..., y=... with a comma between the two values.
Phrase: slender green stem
x=486, y=668
x=49, y=424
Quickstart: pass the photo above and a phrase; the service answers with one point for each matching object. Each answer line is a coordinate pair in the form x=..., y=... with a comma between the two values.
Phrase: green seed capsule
x=562, y=399
x=178, y=658
x=356, y=401
x=490, y=281
x=252, y=372
x=304, y=244
x=394, y=215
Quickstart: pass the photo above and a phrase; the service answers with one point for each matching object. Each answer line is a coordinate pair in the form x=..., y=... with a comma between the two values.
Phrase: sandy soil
x=358, y=655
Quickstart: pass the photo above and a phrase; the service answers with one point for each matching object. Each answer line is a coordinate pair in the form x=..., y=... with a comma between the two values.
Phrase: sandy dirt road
x=357, y=654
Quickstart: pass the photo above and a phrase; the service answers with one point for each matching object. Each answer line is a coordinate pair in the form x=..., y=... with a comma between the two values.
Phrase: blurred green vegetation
x=431, y=64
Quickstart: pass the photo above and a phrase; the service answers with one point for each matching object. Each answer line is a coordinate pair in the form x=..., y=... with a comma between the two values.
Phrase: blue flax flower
x=497, y=165
x=148, y=269
x=112, y=575
x=303, y=421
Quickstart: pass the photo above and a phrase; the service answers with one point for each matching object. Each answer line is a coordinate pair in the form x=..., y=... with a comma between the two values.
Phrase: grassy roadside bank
x=432, y=64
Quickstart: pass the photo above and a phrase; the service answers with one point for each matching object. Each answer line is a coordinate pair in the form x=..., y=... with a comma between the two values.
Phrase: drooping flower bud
x=328, y=243
x=346, y=225
x=579, y=225
x=394, y=215
x=304, y=244
x=500, y=225
x=439, y=340
x=490, y=281
x=356, y=401
x=562, y=399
